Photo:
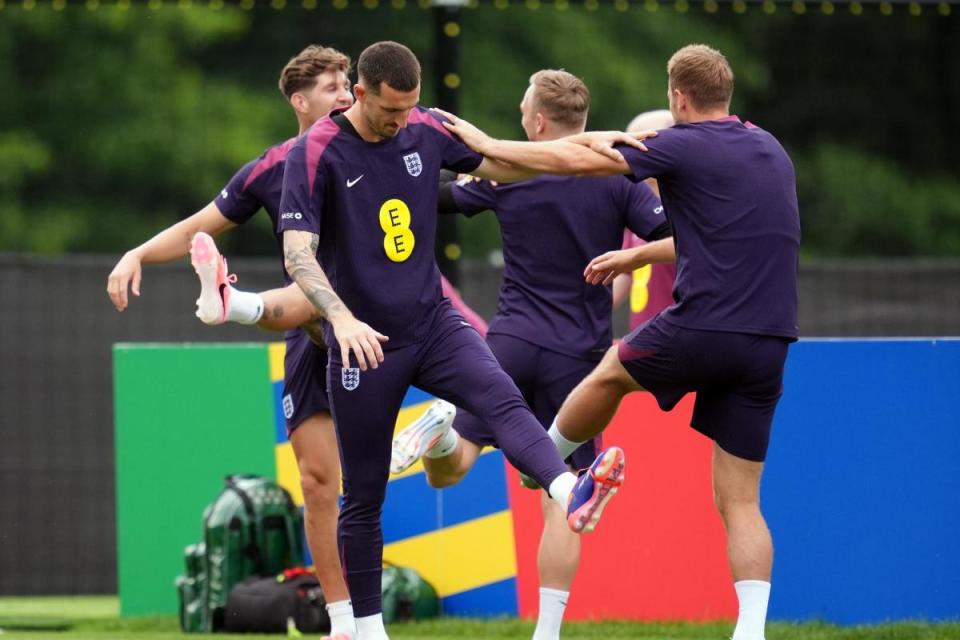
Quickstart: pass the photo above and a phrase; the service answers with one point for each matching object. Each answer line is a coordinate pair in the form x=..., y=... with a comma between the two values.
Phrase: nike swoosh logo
x=350, y=182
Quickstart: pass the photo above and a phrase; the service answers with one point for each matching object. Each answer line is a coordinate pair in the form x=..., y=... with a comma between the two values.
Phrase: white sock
x=753, y=596
x=564, y=446
x=445, y=446
x=561, y=487
x=371, y=627
x=553, y=603
x=341, y=618
x=245, y=307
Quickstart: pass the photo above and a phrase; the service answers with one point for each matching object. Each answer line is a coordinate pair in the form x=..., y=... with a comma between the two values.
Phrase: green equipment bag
x=407, y=596
x=192, y=590
x=251, y=529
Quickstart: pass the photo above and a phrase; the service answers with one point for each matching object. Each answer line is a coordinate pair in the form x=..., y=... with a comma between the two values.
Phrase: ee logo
x=640, y=290
x=398, y=239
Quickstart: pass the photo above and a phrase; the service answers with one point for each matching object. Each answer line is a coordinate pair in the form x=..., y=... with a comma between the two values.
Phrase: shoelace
x=231, y=277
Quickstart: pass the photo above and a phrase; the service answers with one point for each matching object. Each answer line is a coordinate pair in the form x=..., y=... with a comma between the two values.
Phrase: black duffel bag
x=273, y=605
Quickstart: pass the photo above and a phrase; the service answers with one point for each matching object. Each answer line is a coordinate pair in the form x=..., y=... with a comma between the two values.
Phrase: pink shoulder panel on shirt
x=747, y=124
x=270, y=159
x=422, y=117
x=318, y=137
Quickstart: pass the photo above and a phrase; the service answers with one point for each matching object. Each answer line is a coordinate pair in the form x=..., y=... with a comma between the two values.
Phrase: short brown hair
x=561, y=96
x=703, y=74
x=301, y=71
x=389, y=62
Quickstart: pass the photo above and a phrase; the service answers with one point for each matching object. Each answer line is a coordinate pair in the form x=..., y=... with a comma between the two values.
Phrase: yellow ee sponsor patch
x=640, y=290
x=398, y=239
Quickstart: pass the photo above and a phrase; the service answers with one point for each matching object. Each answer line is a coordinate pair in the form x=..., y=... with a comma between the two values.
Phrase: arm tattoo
x=300, y=257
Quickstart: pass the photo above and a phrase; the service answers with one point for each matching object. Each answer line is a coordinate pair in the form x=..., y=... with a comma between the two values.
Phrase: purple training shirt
x=257, y=184
x=374, y=206
x=552, y=226
x=730, y=191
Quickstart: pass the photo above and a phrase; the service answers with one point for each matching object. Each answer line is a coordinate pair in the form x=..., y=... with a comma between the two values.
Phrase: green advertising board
x=186, y=416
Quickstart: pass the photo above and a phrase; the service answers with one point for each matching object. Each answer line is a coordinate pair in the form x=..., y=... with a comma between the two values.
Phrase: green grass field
x=95, y=618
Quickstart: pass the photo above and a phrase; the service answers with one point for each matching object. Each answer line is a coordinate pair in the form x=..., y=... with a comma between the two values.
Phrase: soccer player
x=551, y=328
x=360, y=194
x=730, y=191
x=314, y=82
x=648, y=289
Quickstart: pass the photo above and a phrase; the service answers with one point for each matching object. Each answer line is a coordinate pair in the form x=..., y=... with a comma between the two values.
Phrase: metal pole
x=446, y=37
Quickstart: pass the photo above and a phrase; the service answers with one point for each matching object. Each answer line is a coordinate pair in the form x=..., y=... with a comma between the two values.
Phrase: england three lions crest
x=350, y=378
x=414, y=166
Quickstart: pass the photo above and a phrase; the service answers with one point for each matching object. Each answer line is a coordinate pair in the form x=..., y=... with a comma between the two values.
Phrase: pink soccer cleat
x=211, y=268
x=416, y=439
x=593, y=490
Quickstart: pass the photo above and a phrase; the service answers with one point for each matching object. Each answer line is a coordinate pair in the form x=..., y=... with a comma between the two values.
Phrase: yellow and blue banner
x=875, y=418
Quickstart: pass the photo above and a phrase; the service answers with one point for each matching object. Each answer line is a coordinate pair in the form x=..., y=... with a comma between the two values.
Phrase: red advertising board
x=660, y=550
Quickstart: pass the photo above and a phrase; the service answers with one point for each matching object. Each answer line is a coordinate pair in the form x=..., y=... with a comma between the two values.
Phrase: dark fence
x=57, y=516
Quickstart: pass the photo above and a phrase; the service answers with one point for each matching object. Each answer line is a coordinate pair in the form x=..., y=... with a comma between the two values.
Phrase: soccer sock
x=561, y=487
x=371, y=627
x=244, y=307
x=445, y=446
x=753, y=596
x=341, y=618
x=564, y=446
x=553, y=603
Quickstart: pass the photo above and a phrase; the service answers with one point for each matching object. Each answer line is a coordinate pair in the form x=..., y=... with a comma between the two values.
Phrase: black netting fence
x=57, y=520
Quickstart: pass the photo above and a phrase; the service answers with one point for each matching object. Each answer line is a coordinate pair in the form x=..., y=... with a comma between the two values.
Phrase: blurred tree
x=863, y=205
x=123, y=132
x=116, y=122
x=866, y=105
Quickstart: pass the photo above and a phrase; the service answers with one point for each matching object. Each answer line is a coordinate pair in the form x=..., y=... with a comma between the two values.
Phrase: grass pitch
x=96, y=618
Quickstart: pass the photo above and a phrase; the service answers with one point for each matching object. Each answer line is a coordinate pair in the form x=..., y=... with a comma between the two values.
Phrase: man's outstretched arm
x=300, y=260
x=560, y=157
x=589, y=153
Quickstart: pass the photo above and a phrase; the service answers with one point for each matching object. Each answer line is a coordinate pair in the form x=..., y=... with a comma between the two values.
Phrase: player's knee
x=736, y=484
x=364, y=495
x=317, y=493
x=441, y=473
x=729, y=503
x=609, y=378
x=441, y=480
x=718, y=500
x=551, y=510
x=725, y=506
x=318, y=484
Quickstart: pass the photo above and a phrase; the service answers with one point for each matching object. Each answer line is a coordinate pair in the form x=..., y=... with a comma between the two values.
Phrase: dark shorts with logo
x=738, y=379
x=545, y=378
x=304, y=379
